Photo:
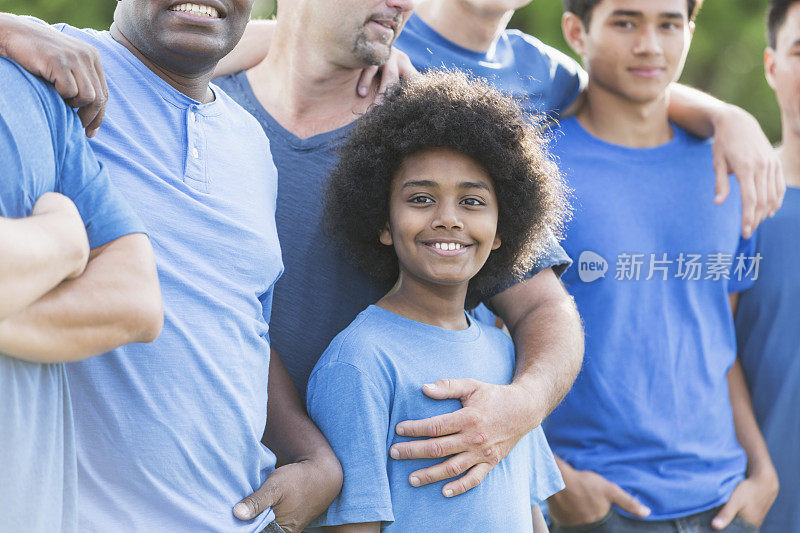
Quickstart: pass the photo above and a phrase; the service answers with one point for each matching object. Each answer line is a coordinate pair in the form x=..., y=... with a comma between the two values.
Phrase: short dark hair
x=446, y=109
x=776, y=17
x=584, y=8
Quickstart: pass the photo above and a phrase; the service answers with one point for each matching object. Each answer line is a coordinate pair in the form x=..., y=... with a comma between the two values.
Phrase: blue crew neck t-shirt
x=650, y=410
x=43, y=149
x=321, y=291
x=169, y=433
x=768, y=331
x=541, y=78
x=370, y=379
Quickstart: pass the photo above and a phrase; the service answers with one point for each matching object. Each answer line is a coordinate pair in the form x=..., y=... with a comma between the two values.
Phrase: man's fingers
x=389, y=76
x=780, y=185
x=452, y=467
x=468, y=481
x=726, y=515
x=250, y=507
x=625, y=501
x=450, y=388
x=428, y=449
x=436, y=426
x=749, y=200
x=365, y=81
x=64, y=83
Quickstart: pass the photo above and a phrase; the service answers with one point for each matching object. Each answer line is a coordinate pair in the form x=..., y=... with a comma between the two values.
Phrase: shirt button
x=195, y=153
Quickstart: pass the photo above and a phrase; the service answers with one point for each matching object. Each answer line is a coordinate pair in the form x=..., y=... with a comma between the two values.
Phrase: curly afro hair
x=447, y=109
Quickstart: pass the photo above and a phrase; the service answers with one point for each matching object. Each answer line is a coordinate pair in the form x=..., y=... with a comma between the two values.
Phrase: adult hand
x=397, y=67
x=742, y=149
x=70, y=228
x=751, y=500
x=293, y=493
x=493, y=418
x=588, y=497
x=72, y=66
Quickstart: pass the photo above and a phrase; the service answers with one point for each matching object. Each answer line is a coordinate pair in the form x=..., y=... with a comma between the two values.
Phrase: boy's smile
x=442, y=218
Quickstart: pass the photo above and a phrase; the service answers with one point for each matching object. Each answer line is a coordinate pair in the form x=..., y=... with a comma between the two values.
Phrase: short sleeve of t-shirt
x=78, y=174
x=354, y=416
x=566, y=77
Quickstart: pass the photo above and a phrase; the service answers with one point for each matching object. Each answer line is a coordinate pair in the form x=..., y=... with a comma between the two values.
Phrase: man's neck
x=463, y=25
x=304, y=91
x=435, y=305
x=195, y=86
x=618, y=120
x=790, y=156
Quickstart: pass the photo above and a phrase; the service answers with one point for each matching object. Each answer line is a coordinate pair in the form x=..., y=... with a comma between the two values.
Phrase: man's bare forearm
x=693, y=110
x=33, y=260
x=115, y=301
x=747, y=430
x=290, y=433
x=250, y=50
x=548, y=339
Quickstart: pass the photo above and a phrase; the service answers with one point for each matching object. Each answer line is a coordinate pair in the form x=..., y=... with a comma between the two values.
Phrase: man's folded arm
x=36, y=257
x=115, y=301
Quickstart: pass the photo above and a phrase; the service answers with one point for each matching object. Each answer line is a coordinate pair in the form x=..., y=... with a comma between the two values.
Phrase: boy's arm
x=740, y=148
x=367, y=527
x=548, y=339
x=40, y=251
x=753, y=497
x=309, y=476
x=115, y=301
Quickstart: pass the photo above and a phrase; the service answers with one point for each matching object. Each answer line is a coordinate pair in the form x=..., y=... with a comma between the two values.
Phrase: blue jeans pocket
x=743, y=525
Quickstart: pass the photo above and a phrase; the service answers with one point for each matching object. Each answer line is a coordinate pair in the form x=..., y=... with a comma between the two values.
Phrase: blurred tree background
x=725, y=60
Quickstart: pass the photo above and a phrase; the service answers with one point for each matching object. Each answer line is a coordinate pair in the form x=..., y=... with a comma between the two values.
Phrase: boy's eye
x=669, y=26
x=421, y=200
x=472, y=202
x=626, y=24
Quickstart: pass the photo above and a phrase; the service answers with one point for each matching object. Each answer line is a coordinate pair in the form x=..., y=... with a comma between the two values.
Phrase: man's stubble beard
x=370, y=53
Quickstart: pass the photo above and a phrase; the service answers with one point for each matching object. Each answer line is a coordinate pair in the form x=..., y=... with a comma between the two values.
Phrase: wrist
x=528, y=400
x=8, y=22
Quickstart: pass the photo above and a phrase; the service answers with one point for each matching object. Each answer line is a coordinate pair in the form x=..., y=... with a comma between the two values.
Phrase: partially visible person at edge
x=651, y=436
x=169, y=435
x=442, y=189
x=77, y=278
x=304, y=95
x=767, y=314
x=472, y=35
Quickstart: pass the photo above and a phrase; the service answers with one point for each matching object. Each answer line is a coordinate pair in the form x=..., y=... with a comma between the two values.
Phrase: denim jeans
x=272, y=527
x=614, y=522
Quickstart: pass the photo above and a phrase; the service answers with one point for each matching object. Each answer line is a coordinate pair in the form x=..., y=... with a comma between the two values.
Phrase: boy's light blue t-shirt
x=169, y=433
x=43, y=149
x=370, y=378
x=651, y=411
x=322, y=290
x=541, y=78
x=768, y=331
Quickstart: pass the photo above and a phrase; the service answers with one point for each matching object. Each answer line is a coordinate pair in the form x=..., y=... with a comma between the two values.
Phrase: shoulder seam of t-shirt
x=330, y=364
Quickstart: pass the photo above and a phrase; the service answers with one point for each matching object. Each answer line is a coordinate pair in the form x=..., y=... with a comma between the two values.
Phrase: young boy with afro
x=445, y=190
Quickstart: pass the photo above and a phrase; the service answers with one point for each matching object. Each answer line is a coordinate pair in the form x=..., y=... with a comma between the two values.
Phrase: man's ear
x=574, y=32
x=496, y=243
x=386, y=235
x=769, y=66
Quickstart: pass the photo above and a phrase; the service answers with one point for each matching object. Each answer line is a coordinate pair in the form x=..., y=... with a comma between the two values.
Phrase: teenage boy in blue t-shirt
x=767, y=314
x=443, y=189
x=56, y=204
x=649, y=426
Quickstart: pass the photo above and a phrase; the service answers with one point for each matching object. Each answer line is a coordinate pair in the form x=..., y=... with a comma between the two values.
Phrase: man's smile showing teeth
x=198, y=10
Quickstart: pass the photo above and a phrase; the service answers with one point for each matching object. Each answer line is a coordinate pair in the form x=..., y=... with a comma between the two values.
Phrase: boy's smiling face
x=442, y=217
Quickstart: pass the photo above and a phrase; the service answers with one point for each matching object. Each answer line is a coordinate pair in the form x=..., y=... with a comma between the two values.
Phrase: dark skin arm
x=308, y=476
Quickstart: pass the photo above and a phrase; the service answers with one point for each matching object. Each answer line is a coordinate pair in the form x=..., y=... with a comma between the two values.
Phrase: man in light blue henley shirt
x=169, y=434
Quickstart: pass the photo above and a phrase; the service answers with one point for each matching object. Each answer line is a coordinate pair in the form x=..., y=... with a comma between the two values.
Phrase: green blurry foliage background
x=725, y=60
